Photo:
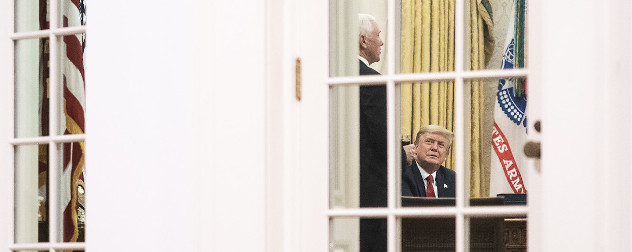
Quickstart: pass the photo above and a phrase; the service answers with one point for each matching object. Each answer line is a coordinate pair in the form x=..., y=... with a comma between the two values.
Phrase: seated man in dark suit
x=426, y=177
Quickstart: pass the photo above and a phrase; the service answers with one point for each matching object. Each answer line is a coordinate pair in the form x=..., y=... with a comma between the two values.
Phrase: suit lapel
x=440, y=183
x=419, y=180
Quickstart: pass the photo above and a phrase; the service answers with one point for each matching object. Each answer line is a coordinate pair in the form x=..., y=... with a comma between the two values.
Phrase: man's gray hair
x=438, y=130
x=364, y=21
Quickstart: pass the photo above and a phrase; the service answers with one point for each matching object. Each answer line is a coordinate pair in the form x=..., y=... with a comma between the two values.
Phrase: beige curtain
x=481, y=46
x=428, y=46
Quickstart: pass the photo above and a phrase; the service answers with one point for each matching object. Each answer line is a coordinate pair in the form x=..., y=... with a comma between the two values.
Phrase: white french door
x=581, y=193
x=581, y=133
x=317, y=213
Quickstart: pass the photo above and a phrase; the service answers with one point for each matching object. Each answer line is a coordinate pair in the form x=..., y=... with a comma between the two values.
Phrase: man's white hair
x=364, y=21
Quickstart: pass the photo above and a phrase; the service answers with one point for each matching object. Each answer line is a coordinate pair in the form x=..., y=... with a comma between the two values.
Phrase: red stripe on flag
x=74, y=52
x=73, y=154
x=73, y=157
x=66, y=152
x=42, y=14
x=507, y=160
x=77, y=154
x=68, y=223
x=73, y=108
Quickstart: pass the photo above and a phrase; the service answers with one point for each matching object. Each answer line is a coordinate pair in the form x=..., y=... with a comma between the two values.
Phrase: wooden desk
x=486, y=234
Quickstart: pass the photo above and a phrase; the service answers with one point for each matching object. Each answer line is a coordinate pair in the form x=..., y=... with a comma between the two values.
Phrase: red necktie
x=429, y=188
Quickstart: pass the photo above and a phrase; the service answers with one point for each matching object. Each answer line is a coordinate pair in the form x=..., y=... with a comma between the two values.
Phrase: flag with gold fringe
x=73, y=77
x=71, y=184
x=509, y=133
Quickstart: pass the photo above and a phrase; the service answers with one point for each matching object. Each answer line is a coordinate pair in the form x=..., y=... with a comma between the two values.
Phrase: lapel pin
x=445, y=186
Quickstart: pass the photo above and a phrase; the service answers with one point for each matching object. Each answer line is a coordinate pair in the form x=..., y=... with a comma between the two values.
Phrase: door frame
x=604, y=59
x=585, y=112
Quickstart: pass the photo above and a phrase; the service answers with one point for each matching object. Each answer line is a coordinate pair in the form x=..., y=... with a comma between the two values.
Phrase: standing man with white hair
x=370, y=43
x=372, y=138
x=373, y=168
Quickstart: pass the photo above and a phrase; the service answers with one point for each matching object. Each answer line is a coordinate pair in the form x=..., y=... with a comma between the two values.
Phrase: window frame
x=461, y=212
x=55, y=34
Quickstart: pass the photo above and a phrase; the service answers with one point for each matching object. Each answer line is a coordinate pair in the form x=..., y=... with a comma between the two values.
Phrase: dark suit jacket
x=372, y=142
x=414, y=185
x=372, y=162
x=366, y=70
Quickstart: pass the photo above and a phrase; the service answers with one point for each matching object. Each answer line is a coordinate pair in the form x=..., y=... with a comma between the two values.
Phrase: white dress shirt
x=425, y=175
x=366, y=62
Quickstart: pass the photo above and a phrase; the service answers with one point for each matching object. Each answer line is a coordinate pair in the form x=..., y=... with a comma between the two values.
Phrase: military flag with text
x=509, y=134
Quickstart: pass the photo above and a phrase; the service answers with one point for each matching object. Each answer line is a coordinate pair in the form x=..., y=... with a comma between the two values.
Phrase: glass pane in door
x=358, y=155
x=353, y=234
x=72, y=84
x=426, y=36
x=31, y=15
x=497, y=131
x=501, y=233
x=31, y=193
x=72, y=191
x=427, y=234
x=31, y=87
x=357, y=29
x=495, y=34
x=426, y=129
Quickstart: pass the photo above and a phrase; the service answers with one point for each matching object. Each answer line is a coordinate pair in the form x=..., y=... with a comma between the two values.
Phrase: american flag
x=73, y=78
